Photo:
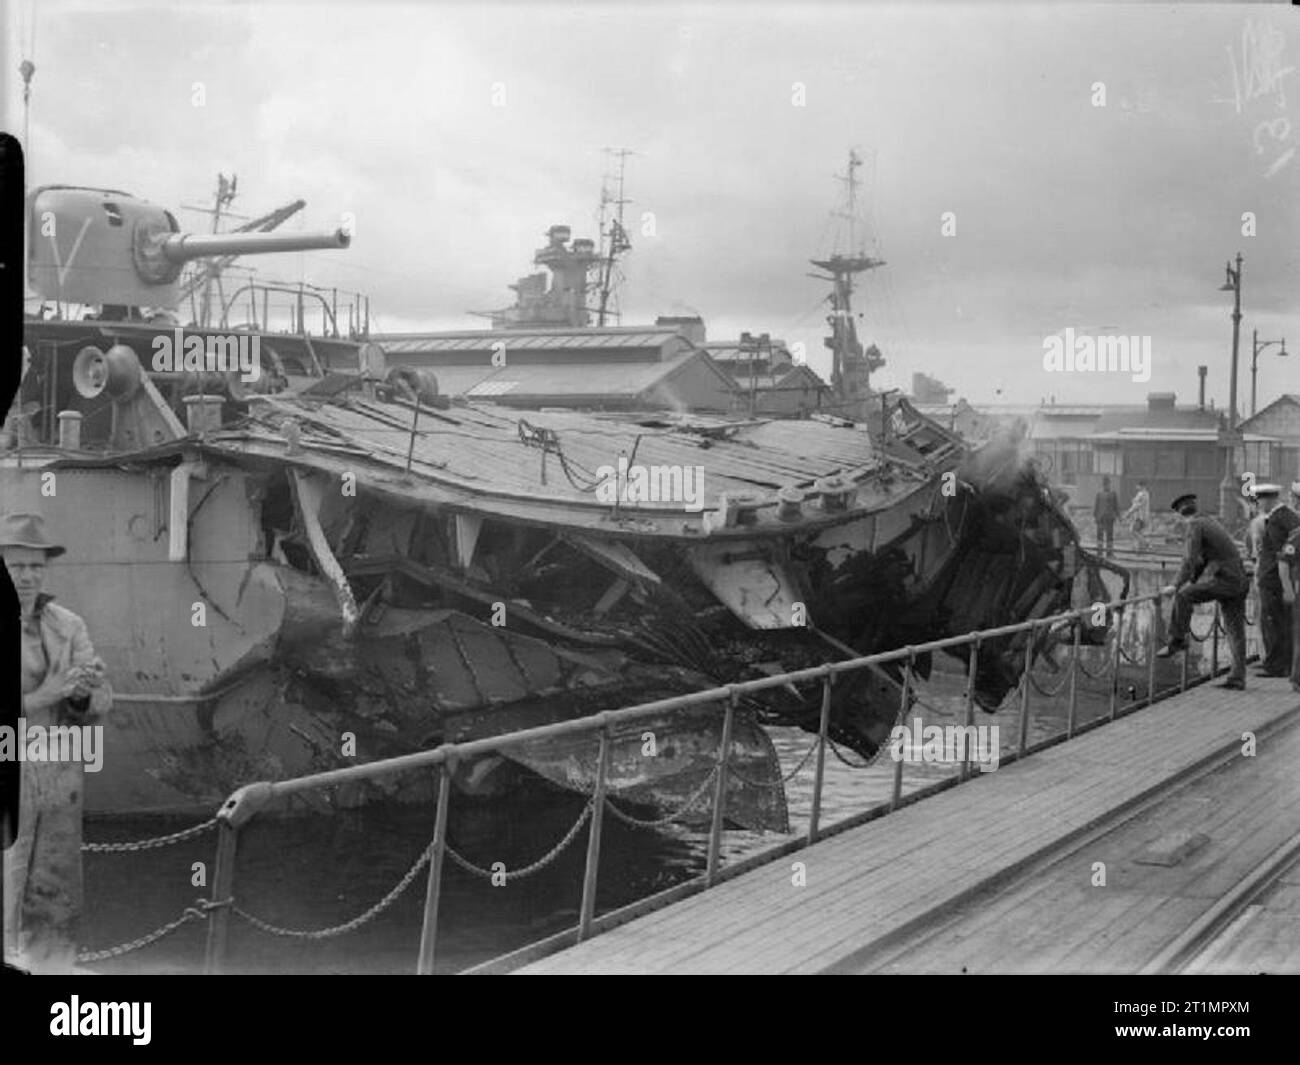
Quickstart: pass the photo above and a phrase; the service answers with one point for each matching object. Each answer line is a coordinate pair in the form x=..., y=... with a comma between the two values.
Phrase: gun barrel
x=182, y=247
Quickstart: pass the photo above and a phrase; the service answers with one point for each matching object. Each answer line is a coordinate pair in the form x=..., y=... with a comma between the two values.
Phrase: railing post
x=223, y=888
x=1115, y=660
x=897, y=794
x=970, y=704
x=1024, y=694
x=820, y=777
x=433, y=890
x=1074, y=680
x=593, y=840
x=1182, y=676
x=1214, y=645
x=1157, y=605
x=720, y=791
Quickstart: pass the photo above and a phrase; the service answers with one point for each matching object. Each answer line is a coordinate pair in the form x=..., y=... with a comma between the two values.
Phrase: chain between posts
x=150, y=844
x=528, y=870
x=198, y=911
x=347, y=926
x=698, y=794
x=780, y=780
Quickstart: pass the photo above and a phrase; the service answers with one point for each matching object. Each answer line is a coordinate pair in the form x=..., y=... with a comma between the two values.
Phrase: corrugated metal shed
x=481, y=342
x=691, y=380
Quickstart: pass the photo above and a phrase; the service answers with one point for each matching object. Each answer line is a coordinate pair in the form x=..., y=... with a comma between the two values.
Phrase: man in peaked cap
x=1274, y=614
x=1212, y=570
x=63, y=683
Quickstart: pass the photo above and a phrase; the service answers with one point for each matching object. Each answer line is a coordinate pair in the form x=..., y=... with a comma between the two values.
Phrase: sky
x=1093, y=163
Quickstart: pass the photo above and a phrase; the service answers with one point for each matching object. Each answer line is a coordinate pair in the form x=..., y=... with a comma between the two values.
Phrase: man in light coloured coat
x=63, y=684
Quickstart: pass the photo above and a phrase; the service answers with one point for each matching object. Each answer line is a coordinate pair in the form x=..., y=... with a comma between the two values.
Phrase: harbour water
x=305, y=874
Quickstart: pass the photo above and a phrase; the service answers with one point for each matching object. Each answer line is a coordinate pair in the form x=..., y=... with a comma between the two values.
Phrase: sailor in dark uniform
x=1289, y=573
x=1212, y=570
x=1274, y=614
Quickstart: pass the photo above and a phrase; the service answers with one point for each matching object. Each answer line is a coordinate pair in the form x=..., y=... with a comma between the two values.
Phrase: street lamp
x=1228, y=486
x=1257, y=346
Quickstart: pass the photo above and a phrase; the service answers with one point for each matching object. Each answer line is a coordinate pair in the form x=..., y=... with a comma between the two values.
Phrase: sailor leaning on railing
x=63, y=684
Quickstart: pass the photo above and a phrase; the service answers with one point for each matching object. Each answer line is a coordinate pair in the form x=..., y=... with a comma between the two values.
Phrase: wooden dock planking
x=870, y=880
x=1244, y=814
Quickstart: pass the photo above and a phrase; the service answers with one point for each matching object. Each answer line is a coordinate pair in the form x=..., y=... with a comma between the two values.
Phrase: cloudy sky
x=457, y=134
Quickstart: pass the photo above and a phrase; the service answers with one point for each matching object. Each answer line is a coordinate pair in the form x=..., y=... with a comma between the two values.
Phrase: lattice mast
x=614, y=240
x=848, y=362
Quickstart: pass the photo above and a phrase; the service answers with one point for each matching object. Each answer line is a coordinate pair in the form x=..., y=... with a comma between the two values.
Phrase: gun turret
x=104, y=247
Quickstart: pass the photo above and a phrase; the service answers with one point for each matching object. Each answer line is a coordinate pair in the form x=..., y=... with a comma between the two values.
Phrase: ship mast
x=613, y=236
x=225, y=195
x=843, y=342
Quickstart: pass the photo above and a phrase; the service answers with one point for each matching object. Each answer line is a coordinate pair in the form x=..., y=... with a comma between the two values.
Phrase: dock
x=856, y=900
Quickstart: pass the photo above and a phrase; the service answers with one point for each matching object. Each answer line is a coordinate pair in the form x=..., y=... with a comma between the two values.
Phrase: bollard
x=70, y=430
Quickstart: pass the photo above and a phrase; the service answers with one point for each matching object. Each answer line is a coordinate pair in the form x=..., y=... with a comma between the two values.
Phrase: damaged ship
x=321, y=568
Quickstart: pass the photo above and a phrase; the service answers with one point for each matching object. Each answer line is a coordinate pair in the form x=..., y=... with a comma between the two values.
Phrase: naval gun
x=107, y=248
x=120, y=259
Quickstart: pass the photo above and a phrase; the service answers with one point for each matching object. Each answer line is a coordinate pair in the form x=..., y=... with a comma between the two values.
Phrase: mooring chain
x=636, y=822
x=1130, y=659
x=1108, y=667
x=1054, y=692
x=851, y=764
x=1208, y=632
x=541, y=863
x=347, y=926
x=149, y=844
x=779, y=781
x=197, y=912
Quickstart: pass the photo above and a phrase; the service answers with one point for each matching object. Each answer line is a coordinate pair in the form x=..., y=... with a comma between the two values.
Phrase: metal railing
x=245, y=803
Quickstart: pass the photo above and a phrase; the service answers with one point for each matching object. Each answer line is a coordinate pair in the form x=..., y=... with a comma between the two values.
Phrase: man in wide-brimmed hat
x=63, y=683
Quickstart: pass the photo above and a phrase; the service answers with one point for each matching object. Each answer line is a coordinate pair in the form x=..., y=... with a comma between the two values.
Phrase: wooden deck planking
x=870, y=879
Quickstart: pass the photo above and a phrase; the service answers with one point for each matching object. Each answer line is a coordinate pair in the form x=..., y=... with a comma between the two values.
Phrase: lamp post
x=1256, y=346
x=1228, y=487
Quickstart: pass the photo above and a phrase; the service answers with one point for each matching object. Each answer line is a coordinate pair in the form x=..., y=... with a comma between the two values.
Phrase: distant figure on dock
x=1139, y=513
x=1274, y=613
x=1289, y=575
x=1105, y=509
x=1212, y=570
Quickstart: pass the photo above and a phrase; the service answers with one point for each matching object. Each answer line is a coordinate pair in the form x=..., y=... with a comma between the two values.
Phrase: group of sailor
x=1213, y=571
